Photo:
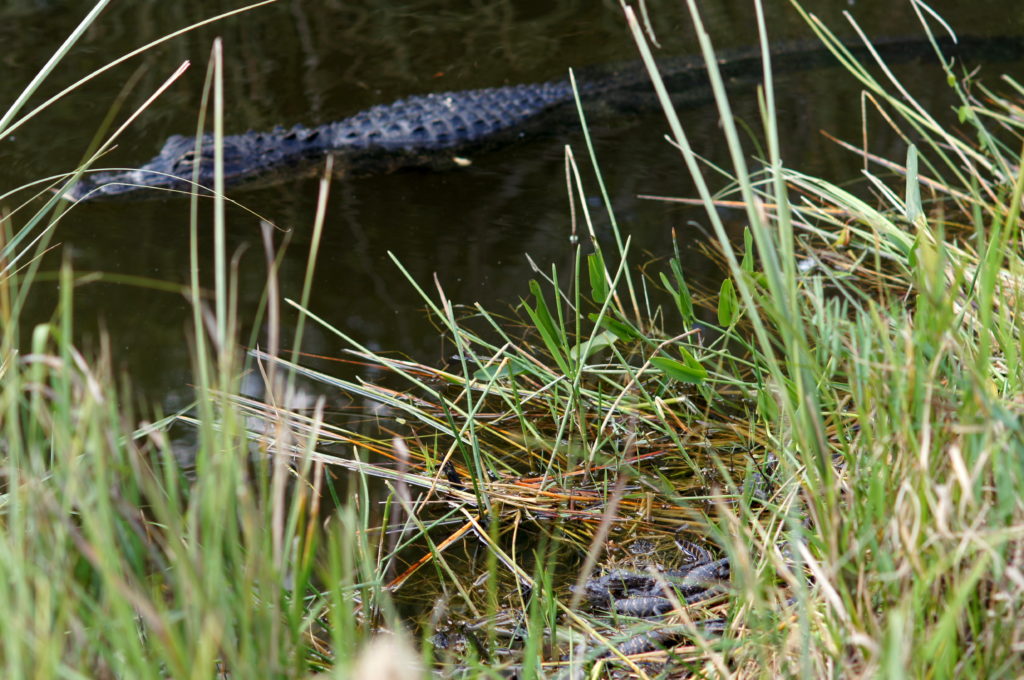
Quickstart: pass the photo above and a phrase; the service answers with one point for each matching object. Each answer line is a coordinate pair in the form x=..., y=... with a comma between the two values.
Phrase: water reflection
x=310, y=62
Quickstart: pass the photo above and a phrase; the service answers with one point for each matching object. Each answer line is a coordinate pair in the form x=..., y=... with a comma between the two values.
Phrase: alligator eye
x=185, y=160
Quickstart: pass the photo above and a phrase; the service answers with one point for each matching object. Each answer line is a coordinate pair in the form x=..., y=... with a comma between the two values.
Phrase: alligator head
x=247, y=157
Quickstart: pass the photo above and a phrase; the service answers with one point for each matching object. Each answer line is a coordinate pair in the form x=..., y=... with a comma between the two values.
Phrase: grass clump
x=840, y=421
x=863, y=377
x=130, y=550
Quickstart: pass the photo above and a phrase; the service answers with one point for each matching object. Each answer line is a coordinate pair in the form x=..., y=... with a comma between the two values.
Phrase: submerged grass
x=846, y=431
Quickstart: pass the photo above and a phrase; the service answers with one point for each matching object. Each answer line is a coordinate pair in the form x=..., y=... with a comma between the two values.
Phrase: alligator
x=437, y=130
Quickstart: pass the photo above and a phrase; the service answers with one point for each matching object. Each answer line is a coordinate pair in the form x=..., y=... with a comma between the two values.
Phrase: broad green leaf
x=623, y=331
x=545, y=324
x=728, y=307
x=748, y=251
x=680, y=292
x=602, y=340
x=677, y=370
x=497, y=371
x=691, y=360
x=598, y=280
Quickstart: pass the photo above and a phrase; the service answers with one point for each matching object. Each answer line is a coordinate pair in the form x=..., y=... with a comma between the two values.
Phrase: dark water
x=313, y=61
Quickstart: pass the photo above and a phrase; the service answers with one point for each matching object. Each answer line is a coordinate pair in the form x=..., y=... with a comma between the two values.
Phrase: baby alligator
x=639, y=593
x=634, y=592
x=433, y=130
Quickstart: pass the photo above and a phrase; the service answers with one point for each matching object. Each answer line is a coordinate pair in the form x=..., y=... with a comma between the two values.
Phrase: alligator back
x=430, y=130
x=426, y=130
x=448, y=120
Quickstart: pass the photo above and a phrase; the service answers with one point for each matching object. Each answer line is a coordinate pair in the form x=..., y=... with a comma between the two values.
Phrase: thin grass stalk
x=783, y=222
x=690, y=159
x=467, y=433
x=134, y=53
x=927, y=121
x=605, y=198
x=766, y=247
x=320, y=217
x=804, y=405
x=204, y=386
x=986, y=137
x=55, y=205
x=219, y=239
x=395, y=366
x=922, y=124
x=272, y=393
x=49, y=66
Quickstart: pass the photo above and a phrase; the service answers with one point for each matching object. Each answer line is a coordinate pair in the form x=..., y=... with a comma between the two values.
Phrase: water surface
x=305, y=61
